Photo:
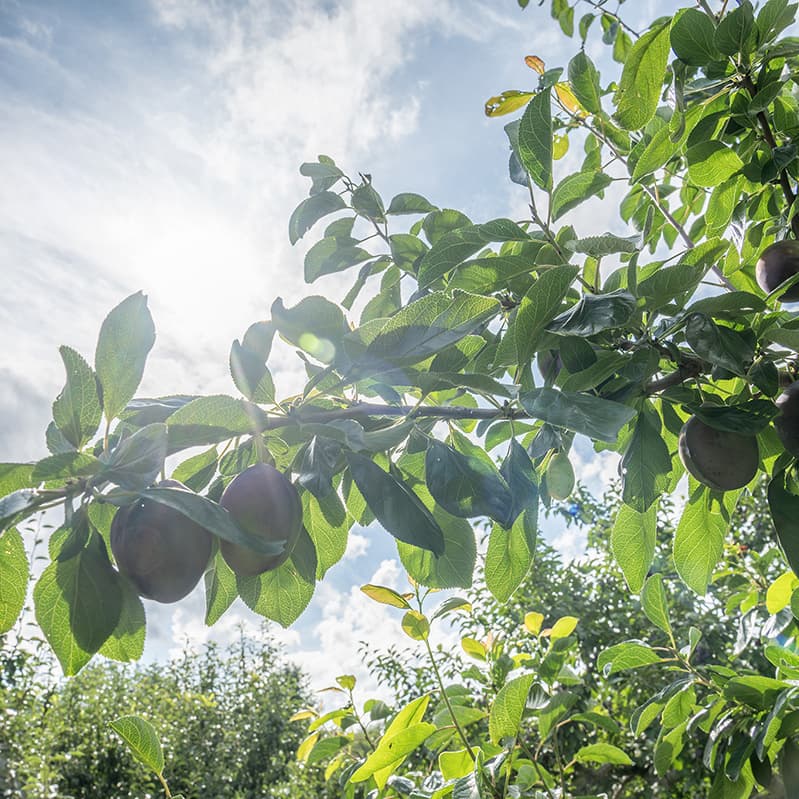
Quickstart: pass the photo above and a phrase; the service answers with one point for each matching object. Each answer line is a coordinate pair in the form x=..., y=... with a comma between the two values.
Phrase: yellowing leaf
x=563, y=627
x=535, y=63
x=386, y=596
x=779, y=592
x=533, y=622
x=346, y=681
x=304, y=749
x=454, y=765
x=566, y=96
x=507, y=102
x=301, y=715
x=560, y=146
x=473, y=648
x=415, y=625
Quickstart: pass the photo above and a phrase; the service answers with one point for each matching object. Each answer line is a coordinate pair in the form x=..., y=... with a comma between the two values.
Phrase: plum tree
x=265, y=504
x=161, y=551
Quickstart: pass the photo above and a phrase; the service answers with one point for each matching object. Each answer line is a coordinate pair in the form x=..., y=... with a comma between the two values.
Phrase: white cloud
x=357, y=545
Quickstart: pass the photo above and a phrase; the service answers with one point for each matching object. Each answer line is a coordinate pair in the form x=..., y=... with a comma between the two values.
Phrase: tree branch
x=768, y=135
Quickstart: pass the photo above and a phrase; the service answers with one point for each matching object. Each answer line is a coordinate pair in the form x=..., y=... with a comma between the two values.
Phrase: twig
x=768, y=135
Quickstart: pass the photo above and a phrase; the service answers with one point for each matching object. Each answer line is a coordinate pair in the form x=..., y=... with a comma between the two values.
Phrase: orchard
x=451, y=403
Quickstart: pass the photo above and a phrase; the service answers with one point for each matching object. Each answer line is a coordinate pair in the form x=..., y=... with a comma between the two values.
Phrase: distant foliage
x=222, y=717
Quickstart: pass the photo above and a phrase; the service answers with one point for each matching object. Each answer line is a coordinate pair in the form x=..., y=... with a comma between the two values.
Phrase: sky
x=156, y=145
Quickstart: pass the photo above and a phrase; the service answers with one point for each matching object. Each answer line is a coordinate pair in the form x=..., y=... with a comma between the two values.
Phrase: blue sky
x=156, y=145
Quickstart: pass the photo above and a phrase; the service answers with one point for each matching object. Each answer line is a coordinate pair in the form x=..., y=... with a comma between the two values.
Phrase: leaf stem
x=166, y=787
x=444, y=696
x=360, y=722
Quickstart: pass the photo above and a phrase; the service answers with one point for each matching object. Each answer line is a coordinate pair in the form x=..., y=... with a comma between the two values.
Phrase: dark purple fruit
x=549, y=364
x=161, y=551
x=787, y=420
x=263, y=502
x=777, y=263
x=719, y=459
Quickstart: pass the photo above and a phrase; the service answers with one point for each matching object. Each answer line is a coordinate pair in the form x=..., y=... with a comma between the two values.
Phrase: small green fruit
x=719, y=459
x=263, y=502
x=161, y=551
x=777, y=263
x=560, y=476
x=787, y=420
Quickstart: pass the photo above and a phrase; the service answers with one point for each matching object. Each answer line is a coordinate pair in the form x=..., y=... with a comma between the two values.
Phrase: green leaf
x=654, y=603
x=314, y=324
x=208, y=420
x=595, y=313
x=330, y=255
x=395, y=506
x=510, y=556
x=719, y=345
x=692, y=38
x=126, y=337
x=603, y=753
x=711, y=163
x=391, y=751
x=136, y=460
x=281, y=594
x=415, y=625
x=784, y=507
x=656, y=154
x=626, y=656
x=646, y=465
x=575, y=189
x=78, y=604
x=457, y=245
x=310, y=211
x=14, y=476
x=22, y=501
x=452, y=569
x=594, y=417
x=535, y=140
x=584, y=81
x=367, y=202
x=505, y=718
x=14, y=575
x=409, y=203
x=76, y=410
x=328, y=525
x=196, y=472
x=220, y=589
x=65, y=464
x=466, y=486
x=212, y=517
x=539, y=306
x=699, y=538
x=425, y=327
x=737, y=31
x=126, y=642
x=606, y=244
x=670, y=283
x=632, y=540
x=642, y=79
x=142, y=740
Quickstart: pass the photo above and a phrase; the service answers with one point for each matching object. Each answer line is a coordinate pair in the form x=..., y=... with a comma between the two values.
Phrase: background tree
x=222, y=715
